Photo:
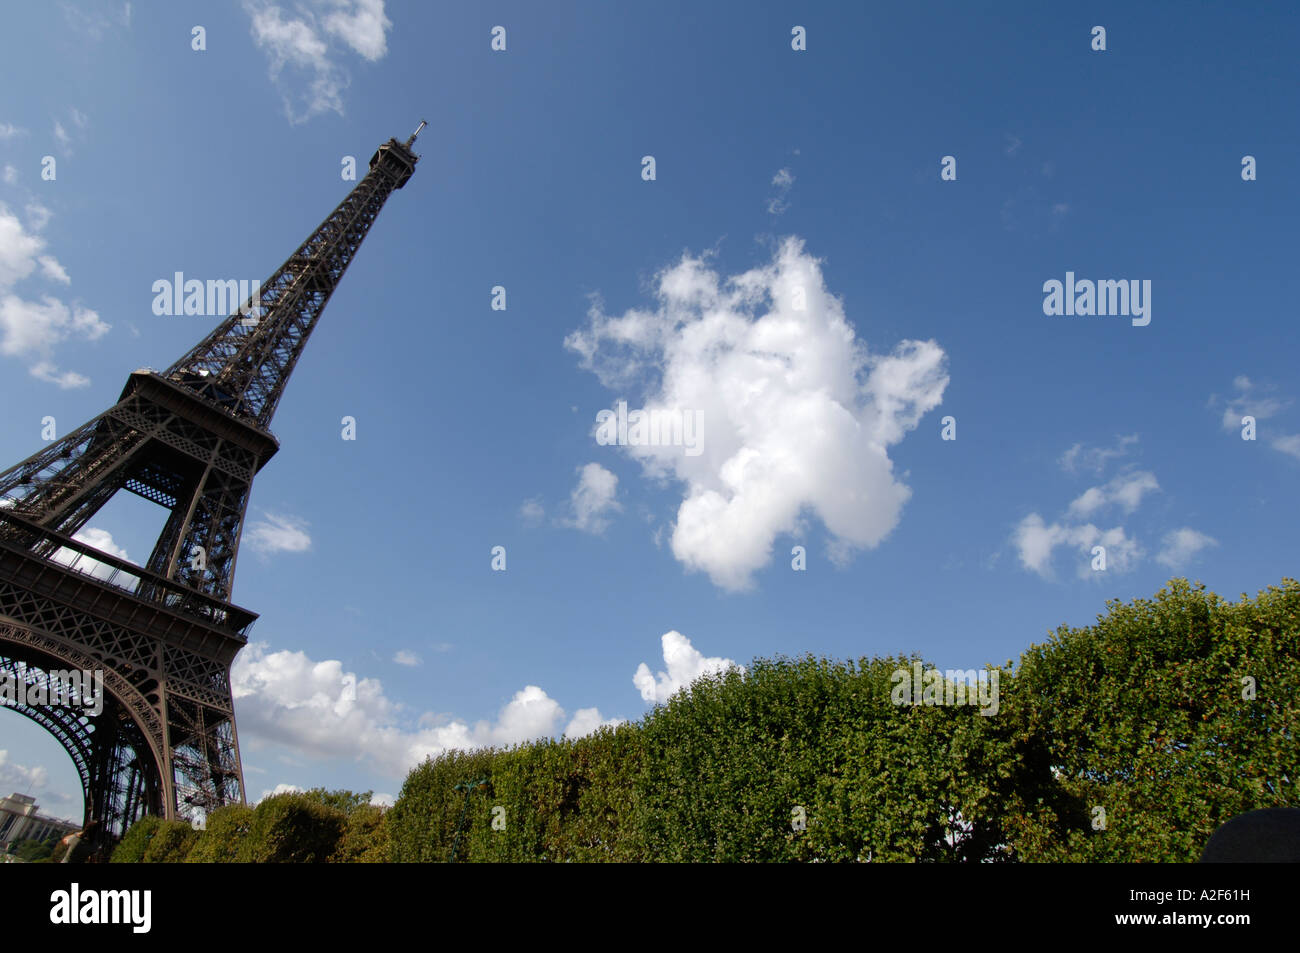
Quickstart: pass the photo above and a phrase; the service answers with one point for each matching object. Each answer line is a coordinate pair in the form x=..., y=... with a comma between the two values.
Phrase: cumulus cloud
x=100, y=539
x=796, y=414
x=278, y=534
x=587, y=720
x=1125, y=490
x=593, y=500
x=33, y=329
x=1181, y=546
x=322, y=710
x=1036, y=541
x=278, y=789
x=308, y=44
x=684, y=664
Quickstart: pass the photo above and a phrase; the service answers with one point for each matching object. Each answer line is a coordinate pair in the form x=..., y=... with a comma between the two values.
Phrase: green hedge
x=155, y=841
x=1128, y=740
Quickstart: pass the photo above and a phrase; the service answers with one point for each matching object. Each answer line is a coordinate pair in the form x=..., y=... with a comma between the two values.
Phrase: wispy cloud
x=1095, y=459
x=782, y=181
x=278, y=534
x=1181, y=546
x=304, y=48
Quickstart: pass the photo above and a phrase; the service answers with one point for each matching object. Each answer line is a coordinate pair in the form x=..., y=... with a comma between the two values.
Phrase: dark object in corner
x=1269, y=835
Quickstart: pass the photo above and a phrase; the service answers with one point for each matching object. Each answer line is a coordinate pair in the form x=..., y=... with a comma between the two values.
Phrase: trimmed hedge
x=155, y=841
x=1129, y=740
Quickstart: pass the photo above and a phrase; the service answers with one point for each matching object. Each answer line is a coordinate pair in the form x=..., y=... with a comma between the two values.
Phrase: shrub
x=292, y=828
x=135, y=842
x=222, y=841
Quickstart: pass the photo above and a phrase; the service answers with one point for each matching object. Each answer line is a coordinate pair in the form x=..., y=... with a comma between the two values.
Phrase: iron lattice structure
x=165, y=634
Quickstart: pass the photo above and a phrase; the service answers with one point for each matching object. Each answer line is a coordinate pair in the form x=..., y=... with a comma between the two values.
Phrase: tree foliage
x=1129, y=740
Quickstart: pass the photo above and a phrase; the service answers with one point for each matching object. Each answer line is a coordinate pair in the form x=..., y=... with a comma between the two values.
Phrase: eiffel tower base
x=164, y=742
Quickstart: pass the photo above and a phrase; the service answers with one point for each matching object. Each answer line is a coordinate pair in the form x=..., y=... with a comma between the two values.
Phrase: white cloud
x=18, y=249
x=1289, y=444
x=409, y=659
x=1181, y=546
x=52, y=270
x=321, y=710
x=278, y=789
x=532, y=512
x=1013, y=144
x=1095, y=459
x=38, y=216
x=18, y=777
x=61, y=136
x=303, y=42
x=9, y=131
x=98, y=538
x=95, y=22
x=1125, y=490
x=796, y=415
x=279, y=534
x=67, y=380
x=1036, y=541
x=364, y=27
x=10, y=175
x=32, y=329
x=1247, y=402
x=684, y=664
x=783, y=180
x=382, y=800
x=587, y=720
x=593, y=500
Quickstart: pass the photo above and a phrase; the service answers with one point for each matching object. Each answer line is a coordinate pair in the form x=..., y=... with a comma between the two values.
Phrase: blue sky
x=817, y=169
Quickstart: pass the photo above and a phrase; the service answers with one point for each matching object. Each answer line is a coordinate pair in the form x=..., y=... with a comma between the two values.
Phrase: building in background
x=20, y=820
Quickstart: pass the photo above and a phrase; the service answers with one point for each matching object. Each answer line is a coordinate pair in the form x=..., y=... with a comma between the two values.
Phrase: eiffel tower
x=190, y=439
